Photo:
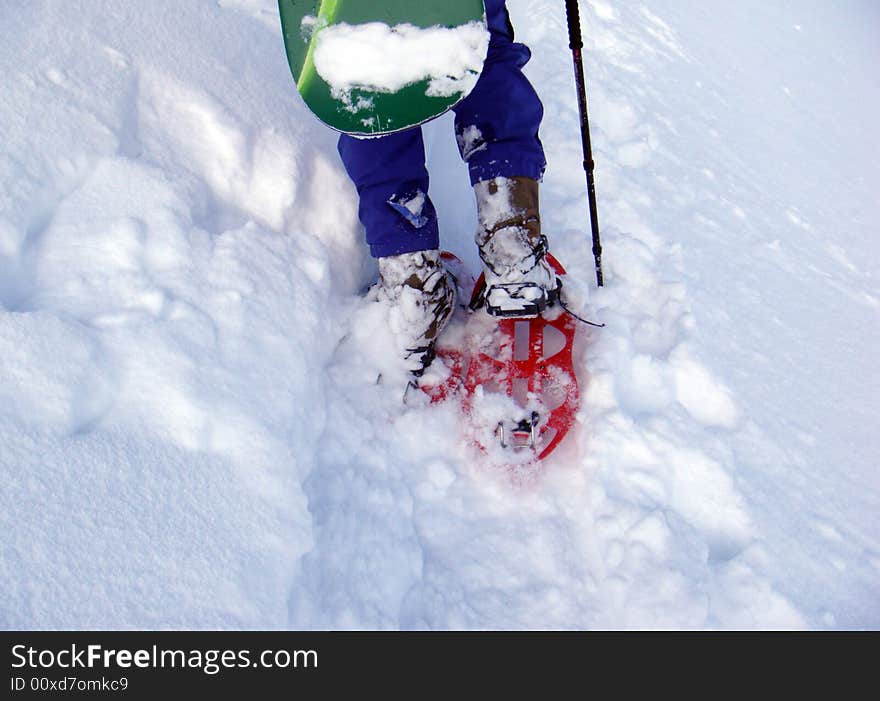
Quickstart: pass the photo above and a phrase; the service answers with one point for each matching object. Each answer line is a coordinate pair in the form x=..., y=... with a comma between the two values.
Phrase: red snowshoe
x=514, y=376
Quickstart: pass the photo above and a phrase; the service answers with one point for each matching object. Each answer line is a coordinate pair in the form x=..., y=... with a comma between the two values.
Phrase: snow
x=379, y=58
x=191, y=432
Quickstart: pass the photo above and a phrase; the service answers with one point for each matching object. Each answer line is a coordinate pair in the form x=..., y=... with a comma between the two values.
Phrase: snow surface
x=191, y=435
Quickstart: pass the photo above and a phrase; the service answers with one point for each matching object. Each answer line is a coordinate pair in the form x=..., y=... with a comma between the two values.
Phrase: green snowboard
x=373, y=67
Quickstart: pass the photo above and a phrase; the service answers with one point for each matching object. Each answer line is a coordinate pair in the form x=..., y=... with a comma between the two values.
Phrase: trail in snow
x=191, y=433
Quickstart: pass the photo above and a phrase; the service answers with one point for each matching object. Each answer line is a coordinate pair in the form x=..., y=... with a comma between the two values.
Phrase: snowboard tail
x=349, y=94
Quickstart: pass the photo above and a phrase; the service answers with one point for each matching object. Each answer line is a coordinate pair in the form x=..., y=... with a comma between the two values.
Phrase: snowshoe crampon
x=514, y=376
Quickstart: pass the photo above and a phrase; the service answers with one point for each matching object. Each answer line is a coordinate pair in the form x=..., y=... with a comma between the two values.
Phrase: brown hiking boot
x=519, y=281
x=422, y=297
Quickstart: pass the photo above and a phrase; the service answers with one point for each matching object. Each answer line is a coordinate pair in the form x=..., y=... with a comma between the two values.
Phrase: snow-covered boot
x=519, y=280
x=421, y=294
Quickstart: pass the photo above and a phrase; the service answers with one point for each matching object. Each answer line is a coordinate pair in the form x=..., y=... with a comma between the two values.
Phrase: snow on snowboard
x=514, y=377
x=372, y=68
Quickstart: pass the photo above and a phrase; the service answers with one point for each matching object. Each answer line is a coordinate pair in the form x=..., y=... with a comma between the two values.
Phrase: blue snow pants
x=496, y=127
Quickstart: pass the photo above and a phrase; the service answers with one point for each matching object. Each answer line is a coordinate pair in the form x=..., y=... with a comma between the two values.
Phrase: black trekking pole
x=576, y=44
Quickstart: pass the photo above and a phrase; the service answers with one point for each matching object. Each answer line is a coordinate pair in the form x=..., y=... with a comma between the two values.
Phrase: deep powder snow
x=191, y=433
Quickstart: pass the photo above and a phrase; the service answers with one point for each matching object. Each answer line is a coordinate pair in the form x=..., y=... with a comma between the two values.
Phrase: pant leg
x=392, y=181
x=497, y=124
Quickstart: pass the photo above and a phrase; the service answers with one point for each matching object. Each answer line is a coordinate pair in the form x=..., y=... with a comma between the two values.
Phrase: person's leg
x=497, y=132
x=497, y=124
x=392, y=183
x=401, y=229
